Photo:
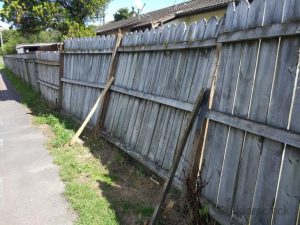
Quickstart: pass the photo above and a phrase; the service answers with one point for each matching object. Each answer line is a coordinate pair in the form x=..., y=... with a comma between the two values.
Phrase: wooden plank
x=162, y=131
x=179, y=150
x=140, y=133
x=292, y=9
x=48, y=84
x=61, y=74
x=226, y=95
x=278, y=115
x=156, y=79
x=48, y=62
x=83, y=83
x=240, y=15
x=153, y=113
x=130, y=69
x=197, y=144
x=152, y=109
x=288, y=191
x=207, y=152
x=242, y=98
x=102, y=71
x=208, y=43
x=205, y=74
x=132, y=103
x=166, y=88
x=255, y=14
x=152, y=73
x=266, y=131
x=274, y=12
x=266, y=32
x=197, y=148
x=111, y=73
x=68, y=74
x=253, y=143
x=179, y=92
x=123, y=73
x=229, y=17
x=99, y=100
x=91, y=52
x=149, y=84
x=287, y=201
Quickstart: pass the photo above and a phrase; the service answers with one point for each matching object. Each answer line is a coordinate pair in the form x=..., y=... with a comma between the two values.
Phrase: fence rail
x=250, y=154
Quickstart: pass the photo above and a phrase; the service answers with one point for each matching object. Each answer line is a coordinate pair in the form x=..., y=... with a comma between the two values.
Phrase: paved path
x=30, y=190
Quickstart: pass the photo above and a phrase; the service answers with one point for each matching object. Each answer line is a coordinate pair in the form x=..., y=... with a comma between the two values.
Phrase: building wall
x=190, y=19
x=20, y=50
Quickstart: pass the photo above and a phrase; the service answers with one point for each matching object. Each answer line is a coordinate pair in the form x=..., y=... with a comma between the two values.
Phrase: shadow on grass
x=127, y=191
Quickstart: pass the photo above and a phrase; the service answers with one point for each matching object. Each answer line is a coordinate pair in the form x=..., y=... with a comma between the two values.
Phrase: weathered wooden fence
x=250, y=61
x=86, y=63
x=24, y=66
x=252, y=155
x=155, y=87
x=40, y=70
x=48, y=65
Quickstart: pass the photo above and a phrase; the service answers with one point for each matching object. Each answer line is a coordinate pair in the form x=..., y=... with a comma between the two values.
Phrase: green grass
x=81, y=177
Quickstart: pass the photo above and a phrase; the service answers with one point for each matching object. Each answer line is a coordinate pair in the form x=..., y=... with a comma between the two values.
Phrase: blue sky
x=117, y=4
x=2, y=24
x=150, y=6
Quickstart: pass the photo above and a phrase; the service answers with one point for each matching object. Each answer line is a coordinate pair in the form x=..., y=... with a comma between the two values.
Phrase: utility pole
x=1, y=37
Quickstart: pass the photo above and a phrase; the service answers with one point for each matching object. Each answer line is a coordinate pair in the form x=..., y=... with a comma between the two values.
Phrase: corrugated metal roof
x=165, y=14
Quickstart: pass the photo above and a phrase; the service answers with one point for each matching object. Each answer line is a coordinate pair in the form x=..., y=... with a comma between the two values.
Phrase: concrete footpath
x=31, y=192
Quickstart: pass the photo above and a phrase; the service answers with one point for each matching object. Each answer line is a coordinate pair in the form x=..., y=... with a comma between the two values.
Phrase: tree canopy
x=13, y=37
x=123, y=13
x=33, y=16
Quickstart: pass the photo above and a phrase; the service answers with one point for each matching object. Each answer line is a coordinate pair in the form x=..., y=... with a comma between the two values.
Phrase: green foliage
x=10, y=39
x=123, y=13
x=32, y=16
x=13, y=37
x=93, y=210
x=77, y=30
x=204, y=212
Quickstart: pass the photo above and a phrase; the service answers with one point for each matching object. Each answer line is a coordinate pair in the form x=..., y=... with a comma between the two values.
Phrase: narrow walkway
x=30, y=190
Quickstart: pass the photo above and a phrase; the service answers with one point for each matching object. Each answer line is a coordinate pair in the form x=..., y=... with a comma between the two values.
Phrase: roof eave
x=203, y=10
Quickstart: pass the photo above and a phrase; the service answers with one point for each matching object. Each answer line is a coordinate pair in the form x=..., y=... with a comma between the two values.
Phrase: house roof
x=34, y=45
x=154, y=18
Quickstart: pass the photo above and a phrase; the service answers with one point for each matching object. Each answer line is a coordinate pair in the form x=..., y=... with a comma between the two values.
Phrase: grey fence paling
x=40, y=70
x=158, y=77
x=250, y=155
x=86, y=64
x=48, y=65
x=24, y=66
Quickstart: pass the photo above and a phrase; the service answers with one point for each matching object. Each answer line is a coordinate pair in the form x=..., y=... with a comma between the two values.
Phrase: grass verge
x=91, y=206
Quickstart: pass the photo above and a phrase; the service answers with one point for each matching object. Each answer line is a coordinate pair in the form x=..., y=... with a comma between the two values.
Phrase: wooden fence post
x=201, y=131
x=111, y=73
x=61, y=74
x=200, y=104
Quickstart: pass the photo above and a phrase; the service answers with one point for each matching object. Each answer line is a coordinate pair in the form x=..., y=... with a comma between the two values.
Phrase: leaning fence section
x=159, y=75
x=250, y=158
x=86, y=64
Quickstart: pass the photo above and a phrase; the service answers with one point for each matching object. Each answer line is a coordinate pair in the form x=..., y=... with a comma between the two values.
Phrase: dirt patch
x=136, y=190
